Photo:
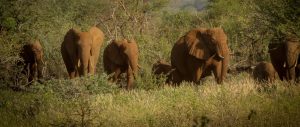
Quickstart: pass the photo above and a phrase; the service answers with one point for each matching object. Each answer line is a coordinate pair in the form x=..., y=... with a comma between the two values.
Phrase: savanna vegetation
x=156, y=25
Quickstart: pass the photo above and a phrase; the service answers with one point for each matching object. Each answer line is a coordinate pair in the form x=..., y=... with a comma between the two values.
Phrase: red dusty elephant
x=121, y=56
x=264, y=72
x=199, y=52
x=80, y=51
x=161, y=67
x=32, y=54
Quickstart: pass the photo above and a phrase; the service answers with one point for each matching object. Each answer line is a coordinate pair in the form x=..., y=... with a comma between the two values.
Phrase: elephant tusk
x=221, y=57
x=296, y=62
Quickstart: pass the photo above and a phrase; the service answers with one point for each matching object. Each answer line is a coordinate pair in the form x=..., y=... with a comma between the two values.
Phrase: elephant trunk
x=132, y=70
x=39, y=63
x=133, y=64
x=291, y=60
x=290, y=67
x=220, y=52
x=224, y=55
x=84, y=56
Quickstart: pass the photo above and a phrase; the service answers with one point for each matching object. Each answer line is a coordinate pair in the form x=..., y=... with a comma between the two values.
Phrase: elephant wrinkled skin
x=121, y=56
x=264, y=72
x=80, y=51
x=199, y=52
x=32, y=54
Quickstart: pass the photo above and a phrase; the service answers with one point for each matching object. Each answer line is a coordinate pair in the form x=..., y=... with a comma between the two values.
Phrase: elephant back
x=98, y=36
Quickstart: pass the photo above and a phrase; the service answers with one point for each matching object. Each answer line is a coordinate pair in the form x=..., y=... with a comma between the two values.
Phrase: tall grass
x=91, y=101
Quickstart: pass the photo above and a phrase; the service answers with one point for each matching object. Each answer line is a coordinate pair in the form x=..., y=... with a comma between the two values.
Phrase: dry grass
x=238, y=102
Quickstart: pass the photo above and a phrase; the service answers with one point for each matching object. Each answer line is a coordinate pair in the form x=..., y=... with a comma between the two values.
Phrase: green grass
x=91, y=101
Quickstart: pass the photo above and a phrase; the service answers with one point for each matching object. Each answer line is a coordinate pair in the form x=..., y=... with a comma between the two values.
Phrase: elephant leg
x=32, y=71
x=84, y=62
x=91, y=66
x=217, y=70
x=196, y=67
x=70, y=63
x=130, y=78
x=174, y=78
x=40, y=71
x=117, y=72
x=25, y=70
x=72, y=70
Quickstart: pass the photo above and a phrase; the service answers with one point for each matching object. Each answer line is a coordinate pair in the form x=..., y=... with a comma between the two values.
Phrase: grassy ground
x=91, y=101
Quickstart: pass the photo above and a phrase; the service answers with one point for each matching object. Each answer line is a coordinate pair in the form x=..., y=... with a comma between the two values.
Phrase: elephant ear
x=197, y=46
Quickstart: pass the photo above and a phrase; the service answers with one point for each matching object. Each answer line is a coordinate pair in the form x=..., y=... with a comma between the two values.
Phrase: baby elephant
x=264, y=72
x=121, y=56
x=32, y=54
x=163, y=68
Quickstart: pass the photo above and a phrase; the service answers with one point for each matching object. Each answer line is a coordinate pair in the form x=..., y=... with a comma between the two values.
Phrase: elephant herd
x=199, y=53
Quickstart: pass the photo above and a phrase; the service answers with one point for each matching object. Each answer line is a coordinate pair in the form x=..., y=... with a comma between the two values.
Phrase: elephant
x=161, y=68
x=32, y=54
x=200, y=52
x=121, y=56
x=285, y=57
x=80, y=51
x=264, y=72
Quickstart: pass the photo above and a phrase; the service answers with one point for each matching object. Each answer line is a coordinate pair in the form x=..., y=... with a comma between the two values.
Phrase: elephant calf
x=32, y=54
x=264, y=72
x=161, y=68
x=121, y=56
x=80, y=51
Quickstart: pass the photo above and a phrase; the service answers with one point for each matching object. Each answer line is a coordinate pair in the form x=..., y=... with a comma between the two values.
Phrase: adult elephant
x=80, y=51
x=32, y=54
x=264, y=72
x=199, y=52
x=121, y=56
x=285, y=57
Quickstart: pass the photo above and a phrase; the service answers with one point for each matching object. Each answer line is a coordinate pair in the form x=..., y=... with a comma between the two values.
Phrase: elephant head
x=121, y=56
x=32, y=55
x=203, y=43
